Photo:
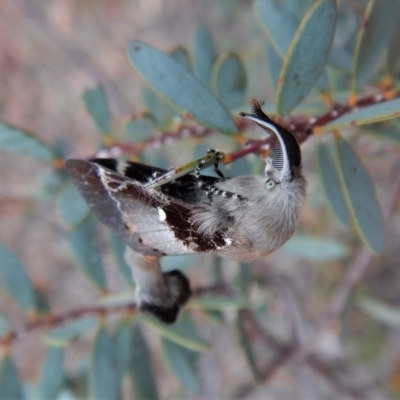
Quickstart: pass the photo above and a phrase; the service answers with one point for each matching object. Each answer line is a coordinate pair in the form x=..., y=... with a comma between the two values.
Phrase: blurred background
x=51, y=51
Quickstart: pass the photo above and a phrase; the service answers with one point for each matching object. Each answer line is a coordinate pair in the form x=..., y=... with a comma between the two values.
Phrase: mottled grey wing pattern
x=149, y=221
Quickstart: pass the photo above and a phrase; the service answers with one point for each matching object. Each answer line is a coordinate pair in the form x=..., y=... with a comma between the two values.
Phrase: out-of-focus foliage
x=309, y=49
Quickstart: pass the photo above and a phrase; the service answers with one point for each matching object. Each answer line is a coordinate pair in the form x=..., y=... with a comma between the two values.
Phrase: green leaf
x=302, y=67
x=182, y=361
x=158, y=108
x=274, y=62
x=367, y=115
x=10, y=385
x=140, y=129
x=361, y=197
x=392, y=51
x=181, y=55
x=72, y=209
x=332, y=184
x=4, y=325
x=96, y=104
x=376, y=29
x=102, y=372
x=84, y=245
x=52, y=374
x=279, y=24
x=219, y=303
x=314, y=249
x=383, y=312
x=167, y=76
x=141, y=371
x=177, y=262
x=118, y=247
x=14, y=279
x=205, y=54
x=171, y=334
x=229, y=80
x=19, y=141
x=63, y=335
x=121, y=342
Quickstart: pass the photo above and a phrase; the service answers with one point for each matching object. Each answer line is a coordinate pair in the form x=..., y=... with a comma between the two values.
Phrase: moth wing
x=147, y=220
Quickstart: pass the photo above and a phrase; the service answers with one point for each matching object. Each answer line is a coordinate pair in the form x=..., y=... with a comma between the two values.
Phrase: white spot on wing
x=228, y=241
x=161, y=214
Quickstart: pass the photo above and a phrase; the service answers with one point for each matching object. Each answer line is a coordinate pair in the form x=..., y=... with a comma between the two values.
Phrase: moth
x=159, y=212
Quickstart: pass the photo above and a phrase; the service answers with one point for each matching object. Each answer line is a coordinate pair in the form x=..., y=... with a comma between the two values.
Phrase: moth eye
x=269, y=184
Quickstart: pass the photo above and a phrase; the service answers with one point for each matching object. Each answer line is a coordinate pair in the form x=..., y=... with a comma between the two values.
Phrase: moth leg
x=218, y=157
x=160, y=294
x=175, y=173
x=212, y=190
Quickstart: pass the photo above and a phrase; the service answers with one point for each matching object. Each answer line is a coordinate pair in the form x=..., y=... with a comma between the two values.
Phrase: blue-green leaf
x=173, y=335
x=122, y=342
x=141, y=372
x=204, y=53
x=182, y=361
x=383, y=312
x=167, y=76
x=102, y=372
x=19, y=141
x=392, y=51
x=159, y=109
x=302, y=68
x=315, y=249
x=83, y=243
x=10, y=385
x=63, y=335
x=96, y=104
x=361, y=197
x=182, y=55
x=177, y=262
x=367, y=115
x=71, y=207
x=4, y=325
x=275, y=63
x=141, y=128
x=229, y=80
x=118, y=247
x=332, y=184
x=52, y=374
x=219, y=303
x=279, y=24
x=14, y=279
x=376, y=29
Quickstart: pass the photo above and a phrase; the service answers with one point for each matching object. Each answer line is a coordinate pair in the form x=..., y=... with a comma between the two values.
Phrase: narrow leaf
x=102, y=372
x=331, y=182
x=380, y=311
x=122, y=342
x=302, y=66
x=19, y=141
x=274, y=62
x=118, y=247
x=158, y=109
x=52, y=374
x=10, y=385
x=141, y=371
x=63, y=335
x=392, y=53
x=169, y=333
x=140, y=129
x=377, y=26
x=72, y=209
x=96, y=104
x=4, y=325
x=367, y=115
x=14, y=279
x=205, y=54
x=219, y=303
x=181, y=55
x=229, y=80
x=314, y=249
x=279, y=24
x=86, y=250
x=182, y=362
x=361, y=197
x=167, y=76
